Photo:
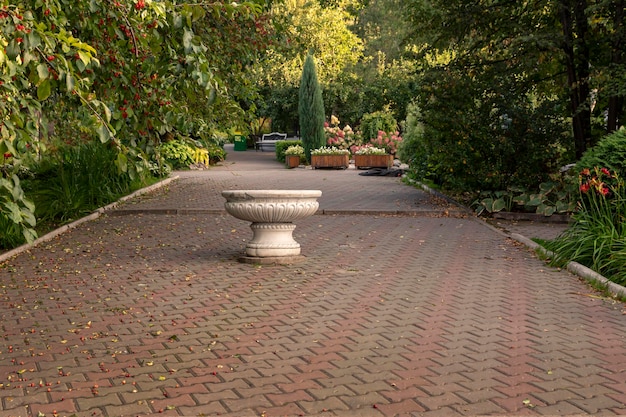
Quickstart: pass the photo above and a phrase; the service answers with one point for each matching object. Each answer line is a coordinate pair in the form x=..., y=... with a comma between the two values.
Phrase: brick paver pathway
x=403, y=306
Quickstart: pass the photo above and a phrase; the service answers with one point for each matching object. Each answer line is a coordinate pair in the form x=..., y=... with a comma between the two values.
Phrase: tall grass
x=597, y=237
x=76, y=181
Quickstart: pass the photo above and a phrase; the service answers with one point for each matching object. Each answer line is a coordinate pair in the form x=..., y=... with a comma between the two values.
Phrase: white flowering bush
x=294, y=150
x=329, y=150
x=370, y=150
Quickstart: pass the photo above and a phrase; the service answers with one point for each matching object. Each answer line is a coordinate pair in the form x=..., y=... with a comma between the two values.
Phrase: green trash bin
x=241, y=143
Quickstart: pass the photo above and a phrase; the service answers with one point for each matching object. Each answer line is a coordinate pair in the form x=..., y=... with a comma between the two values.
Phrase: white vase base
x=272, y=260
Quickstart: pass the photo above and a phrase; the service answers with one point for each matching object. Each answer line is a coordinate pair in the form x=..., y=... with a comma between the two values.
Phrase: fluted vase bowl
x=272, y=213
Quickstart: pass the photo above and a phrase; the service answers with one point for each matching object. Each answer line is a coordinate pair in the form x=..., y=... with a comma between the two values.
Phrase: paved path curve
x=404, y=306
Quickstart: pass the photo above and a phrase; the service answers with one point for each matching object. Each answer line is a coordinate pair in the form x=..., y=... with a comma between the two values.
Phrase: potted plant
x=293, y=156
x=330, y=157
x=372, y=157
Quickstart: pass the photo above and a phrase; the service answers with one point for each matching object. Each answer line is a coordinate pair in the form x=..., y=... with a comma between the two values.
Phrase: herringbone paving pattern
x=388, y=315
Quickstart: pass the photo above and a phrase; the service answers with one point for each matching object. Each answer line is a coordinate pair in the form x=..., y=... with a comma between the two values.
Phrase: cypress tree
x=311, y=109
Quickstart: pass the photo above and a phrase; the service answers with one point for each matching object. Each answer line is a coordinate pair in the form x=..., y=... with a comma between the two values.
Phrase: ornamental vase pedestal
x=330, y=161
x=271, y=213
x=373, y=161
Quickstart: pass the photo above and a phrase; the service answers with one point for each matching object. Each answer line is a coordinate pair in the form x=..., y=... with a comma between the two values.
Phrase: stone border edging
x=574, y=267
x=321, y=212
x=429, y=190
x=90, y=217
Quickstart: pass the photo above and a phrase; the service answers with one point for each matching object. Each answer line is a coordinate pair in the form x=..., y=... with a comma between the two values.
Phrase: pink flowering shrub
x=387, y=141
x=346, y=138
x=342, y=138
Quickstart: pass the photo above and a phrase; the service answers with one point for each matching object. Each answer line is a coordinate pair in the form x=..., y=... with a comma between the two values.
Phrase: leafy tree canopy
x=127, y=71
x=307, y=27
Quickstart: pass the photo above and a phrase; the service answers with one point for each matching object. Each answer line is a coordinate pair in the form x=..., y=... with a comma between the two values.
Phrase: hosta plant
x=553, y=197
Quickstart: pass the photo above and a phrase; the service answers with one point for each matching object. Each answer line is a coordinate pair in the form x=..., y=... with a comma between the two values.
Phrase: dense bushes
x=78, y=179
x=506, y=138
x=372, y=123
x=69, y=183
x=610, y=152
x=183, y=152
x=413, y=149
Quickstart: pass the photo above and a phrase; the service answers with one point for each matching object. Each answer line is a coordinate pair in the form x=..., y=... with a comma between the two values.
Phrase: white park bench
x=269, y=141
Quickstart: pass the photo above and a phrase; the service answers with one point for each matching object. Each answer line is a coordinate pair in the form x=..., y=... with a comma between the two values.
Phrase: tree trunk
x=575, y=33
x=616, y=103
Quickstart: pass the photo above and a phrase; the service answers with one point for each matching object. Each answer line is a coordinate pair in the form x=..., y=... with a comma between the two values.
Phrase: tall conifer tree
x=311, y=109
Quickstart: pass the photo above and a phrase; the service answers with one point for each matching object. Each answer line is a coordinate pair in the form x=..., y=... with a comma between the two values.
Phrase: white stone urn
x=272, y=213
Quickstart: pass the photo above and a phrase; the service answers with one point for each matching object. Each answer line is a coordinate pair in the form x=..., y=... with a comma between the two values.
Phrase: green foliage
x=597, y=236
x=16, y=208
x=552, y=197
x=183, y=152
x=177, y=153
x=375, y=122
x=76, y=180
x=282, y=146
x=216, y=153
x=508, y=137
x=280, y=104
x=413, y=150
x=569, y=51
x=309, y=28
x=159, y=170
x=353, y=84
x=609, y=152
x=128, y=72
x=311, y=109
x=12, y=233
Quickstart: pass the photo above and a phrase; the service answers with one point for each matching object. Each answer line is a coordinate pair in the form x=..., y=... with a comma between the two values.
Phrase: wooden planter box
x=373, y=161
x=330, y=161
x=292, y=161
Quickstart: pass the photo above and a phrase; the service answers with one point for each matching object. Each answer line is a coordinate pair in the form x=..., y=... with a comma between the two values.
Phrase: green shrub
x=372, y=123
x=609, y=152
x=412, y=150
x=281, y=147
x=178, y=153
x=506, y=138
x=216, y=154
